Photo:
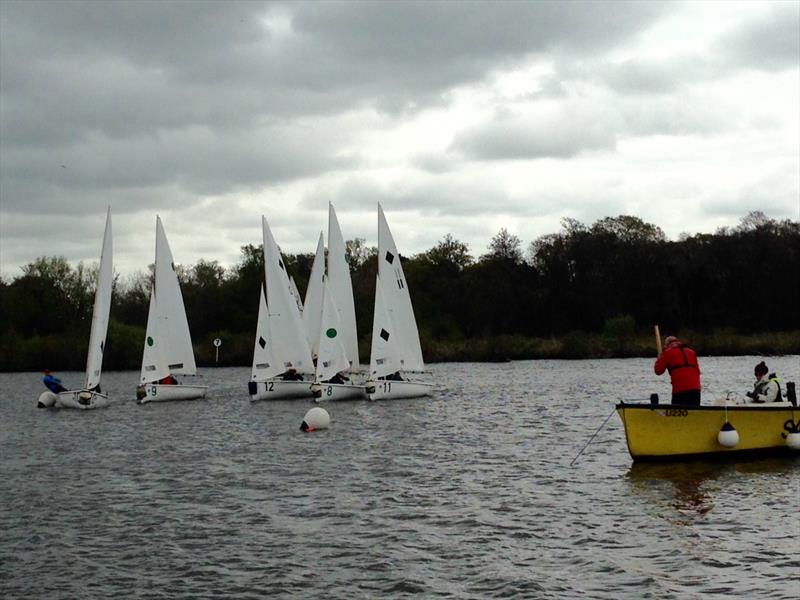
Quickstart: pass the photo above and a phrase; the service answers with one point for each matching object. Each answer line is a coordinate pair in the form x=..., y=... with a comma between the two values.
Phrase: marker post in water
x=217, y=344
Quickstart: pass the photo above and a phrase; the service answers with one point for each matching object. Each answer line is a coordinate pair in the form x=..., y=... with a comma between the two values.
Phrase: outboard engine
x=791, y=394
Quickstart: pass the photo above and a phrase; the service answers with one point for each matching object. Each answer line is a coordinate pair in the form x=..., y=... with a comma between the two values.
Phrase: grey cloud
x=560, y=133
x=770, y=42
x=775, y=194
x=137, y=95
x=431, y=162
x=194, y=160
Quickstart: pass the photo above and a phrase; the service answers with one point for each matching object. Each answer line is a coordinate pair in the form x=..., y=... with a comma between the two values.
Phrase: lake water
x=469, y=494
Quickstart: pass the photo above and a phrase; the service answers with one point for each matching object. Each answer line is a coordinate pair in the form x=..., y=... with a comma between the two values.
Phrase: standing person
x=766, y=388
x=52, y=383
x=684, y=371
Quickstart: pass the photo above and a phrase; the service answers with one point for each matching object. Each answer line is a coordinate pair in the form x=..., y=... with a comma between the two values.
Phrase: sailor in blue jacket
x=52, y=382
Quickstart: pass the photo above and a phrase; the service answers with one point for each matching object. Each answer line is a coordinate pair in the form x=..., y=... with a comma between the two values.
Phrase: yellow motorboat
x=661, y=432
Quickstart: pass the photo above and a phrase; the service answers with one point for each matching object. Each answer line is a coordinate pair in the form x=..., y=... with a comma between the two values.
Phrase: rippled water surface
x=469, y=494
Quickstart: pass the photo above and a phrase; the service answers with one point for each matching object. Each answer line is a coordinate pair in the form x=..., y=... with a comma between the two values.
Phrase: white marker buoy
x=46, y=400
x=728, y=436
x=793, y=440
x=316, y=418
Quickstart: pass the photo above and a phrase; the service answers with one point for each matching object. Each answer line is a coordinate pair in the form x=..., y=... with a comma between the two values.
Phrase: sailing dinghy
x=168, y=344
x=395, y=338
x=281, y=357
x=338, y=326
x=90, y=396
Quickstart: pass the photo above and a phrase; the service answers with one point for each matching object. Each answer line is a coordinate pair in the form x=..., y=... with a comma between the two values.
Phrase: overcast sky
x=459, y=118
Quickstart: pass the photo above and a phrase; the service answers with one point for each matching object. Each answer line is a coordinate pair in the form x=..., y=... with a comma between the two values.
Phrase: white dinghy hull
x=82, y=399
x=277, y=389
x=389, y=389
x=154, y=392
x=324, y=392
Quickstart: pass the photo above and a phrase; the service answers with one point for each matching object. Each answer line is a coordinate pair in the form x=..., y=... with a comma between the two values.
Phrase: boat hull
x=389, y=389
x=331, y=392
x=81, y=400
x=661, y=432
x=154, y=392
x=277, y=389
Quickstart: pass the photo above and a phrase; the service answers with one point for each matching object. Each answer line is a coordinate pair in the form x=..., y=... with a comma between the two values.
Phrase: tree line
x=585, y=291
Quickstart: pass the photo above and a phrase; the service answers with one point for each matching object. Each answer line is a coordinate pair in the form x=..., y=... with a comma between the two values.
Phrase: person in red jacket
x=684, y=370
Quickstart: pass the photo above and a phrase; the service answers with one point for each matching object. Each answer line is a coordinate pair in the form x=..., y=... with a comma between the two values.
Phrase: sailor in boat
x=340, y=377
x=52, y=383
x=393, y=377
x=168, y=380
x=291, y=375
x=767, y=388
x=684, y=371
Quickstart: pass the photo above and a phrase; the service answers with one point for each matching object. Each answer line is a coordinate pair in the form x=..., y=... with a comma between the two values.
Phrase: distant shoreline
x=63, y=353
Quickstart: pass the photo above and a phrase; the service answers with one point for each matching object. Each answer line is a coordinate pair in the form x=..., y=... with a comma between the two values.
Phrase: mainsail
x=101, y=311
x=397, y=299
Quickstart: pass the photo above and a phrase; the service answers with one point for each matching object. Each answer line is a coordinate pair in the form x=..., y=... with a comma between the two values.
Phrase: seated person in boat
x=52, y=383
x=338, y=378
x=684, y=371
x=767, y=388
x=393, y=377
x=168, y=380
x=292, y=375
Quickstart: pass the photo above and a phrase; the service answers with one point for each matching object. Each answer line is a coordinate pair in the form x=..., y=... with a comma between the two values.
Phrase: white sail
x=296, y=294
x=313, y=304
x=332, y=356
x=154, y=365
x=342, y=288
x=102, y=309
x=384, y=358
x=168, y=343
x=397, y=299
x=265, y=365
x=173, y=328
x=285, y=323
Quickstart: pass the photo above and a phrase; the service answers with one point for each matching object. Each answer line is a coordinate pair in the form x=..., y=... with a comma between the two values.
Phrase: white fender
x=793, y=440
x=47, y=399
x=728, y=436
x=316, y=418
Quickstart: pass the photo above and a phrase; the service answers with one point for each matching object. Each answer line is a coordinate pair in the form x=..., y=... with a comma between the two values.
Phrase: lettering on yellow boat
x=673, y=412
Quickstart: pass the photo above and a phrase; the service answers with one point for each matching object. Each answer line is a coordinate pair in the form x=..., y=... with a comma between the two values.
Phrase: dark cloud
x=194, y=109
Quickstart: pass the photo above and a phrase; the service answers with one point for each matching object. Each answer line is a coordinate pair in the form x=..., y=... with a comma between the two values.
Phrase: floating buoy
x=316, y=418
x=46, y=400
x=728, y=436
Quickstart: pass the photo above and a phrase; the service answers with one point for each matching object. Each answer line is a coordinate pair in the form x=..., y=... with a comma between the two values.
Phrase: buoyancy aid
x=760, y=388
x=681, y=362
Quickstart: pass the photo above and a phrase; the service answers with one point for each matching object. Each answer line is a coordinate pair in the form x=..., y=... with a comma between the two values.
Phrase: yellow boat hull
x=672, y=432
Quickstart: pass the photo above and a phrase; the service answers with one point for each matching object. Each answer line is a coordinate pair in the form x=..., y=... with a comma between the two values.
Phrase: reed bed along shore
x=124, y=347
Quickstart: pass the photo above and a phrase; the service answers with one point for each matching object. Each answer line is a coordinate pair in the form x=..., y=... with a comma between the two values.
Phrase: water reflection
x=690, y=488
x=688, y=484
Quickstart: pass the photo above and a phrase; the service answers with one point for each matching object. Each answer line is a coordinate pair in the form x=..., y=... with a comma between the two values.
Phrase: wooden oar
x=658, y=340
